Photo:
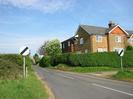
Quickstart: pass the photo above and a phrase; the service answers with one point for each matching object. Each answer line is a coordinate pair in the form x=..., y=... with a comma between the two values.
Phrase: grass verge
x=83, y=69
x=124, y=75
x=29, y=88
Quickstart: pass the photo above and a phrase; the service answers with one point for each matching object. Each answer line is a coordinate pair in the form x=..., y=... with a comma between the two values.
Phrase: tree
x=41, y=50
x=36, y=58
x=53, y=48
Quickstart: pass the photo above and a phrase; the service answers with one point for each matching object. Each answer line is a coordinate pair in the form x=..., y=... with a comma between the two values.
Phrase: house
x=98, y=39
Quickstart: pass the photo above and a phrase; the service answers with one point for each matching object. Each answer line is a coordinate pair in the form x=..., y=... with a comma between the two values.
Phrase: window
x=118, y=39
x=86, y=50
x=130, y=40
x=81, y=40
x=63, y=45
x=68, y=43
x=117, y=49
x=102, y=50
x=79, y=52
x=98, y=38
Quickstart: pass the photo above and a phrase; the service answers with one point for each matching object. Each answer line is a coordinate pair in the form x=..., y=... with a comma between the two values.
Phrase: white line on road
x=66, y=76
x=46, y=70
x=94, y=84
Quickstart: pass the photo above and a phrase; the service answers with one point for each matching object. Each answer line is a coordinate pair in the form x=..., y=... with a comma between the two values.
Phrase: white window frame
x=79, y=52
x=117, y=49
x=130, y=40
x=118, y=39
x=81, y=41
x=63, y=45
x=99, y=38
x=101, y=49
x=86, y=50
x=68, y=43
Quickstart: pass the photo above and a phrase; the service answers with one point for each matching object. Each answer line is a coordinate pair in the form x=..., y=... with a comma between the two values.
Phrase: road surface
x=67, y=85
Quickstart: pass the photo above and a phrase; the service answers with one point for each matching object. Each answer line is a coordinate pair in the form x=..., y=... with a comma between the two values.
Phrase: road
x=67, y=85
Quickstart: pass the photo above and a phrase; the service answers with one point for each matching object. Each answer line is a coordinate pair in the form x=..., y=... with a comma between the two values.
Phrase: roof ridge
x=93, y=26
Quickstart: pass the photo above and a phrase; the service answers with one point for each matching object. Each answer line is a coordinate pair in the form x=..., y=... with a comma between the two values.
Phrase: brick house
x=98, y=39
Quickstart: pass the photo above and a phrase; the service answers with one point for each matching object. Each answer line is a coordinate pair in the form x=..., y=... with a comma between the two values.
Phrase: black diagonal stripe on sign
x=24, y=50
x=121, y=52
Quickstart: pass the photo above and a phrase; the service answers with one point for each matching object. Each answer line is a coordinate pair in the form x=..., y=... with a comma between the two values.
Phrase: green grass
x=124, y=75
x=29, y=88
x=84, y=69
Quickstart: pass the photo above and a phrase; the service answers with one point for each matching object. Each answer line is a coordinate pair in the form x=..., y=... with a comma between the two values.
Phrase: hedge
x=45, y=61
x=110, y=59
x=11, y=66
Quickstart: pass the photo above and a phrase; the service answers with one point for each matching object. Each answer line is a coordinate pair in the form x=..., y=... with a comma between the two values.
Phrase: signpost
x=121, y=53
x=24, y=51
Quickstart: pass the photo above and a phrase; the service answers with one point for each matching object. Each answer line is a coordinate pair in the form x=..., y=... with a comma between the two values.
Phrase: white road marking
x=66, y=76
x=46, y=70
x=94, y=84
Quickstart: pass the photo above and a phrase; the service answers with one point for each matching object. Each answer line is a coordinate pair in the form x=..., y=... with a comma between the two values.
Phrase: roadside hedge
x=11, y=66
x=45, y=61
x=110, y=59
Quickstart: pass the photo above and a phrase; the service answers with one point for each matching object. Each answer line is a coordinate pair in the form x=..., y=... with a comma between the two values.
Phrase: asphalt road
x=67, y=85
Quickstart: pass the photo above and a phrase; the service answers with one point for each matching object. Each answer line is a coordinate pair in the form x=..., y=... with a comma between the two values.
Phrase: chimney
x=111, y=24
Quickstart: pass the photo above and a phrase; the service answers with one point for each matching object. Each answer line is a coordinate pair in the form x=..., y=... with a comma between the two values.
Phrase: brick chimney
x=111, y=24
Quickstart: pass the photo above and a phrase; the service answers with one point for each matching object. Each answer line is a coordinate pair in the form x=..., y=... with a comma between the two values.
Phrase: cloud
x=47, y=6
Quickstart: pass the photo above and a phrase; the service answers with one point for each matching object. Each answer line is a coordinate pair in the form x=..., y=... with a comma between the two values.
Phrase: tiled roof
x=99, y=30
x=94, y=29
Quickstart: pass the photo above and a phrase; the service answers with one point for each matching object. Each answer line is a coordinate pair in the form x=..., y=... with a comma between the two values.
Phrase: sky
x=31, y=22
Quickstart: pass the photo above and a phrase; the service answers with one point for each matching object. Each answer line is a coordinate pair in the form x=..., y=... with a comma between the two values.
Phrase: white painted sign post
x=121, y=53
x=24, y=51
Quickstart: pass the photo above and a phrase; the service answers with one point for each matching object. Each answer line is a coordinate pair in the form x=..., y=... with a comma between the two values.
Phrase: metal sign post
x=121, y=53
x=121, y=64
x=24, y=67
x=24, y=51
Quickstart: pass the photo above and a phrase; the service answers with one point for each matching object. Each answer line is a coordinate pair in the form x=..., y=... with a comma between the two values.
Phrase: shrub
x=129, y=48
x=128, y=59
x=11, y=65
x=9, y=70
x=124, y=75
x=95, y=59
x=45, y=61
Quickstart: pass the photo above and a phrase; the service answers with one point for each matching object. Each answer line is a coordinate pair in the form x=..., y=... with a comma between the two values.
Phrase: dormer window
x=98, y=38
x=81, y=41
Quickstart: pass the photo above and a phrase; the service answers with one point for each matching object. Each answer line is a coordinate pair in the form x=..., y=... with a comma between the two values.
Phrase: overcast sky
x=31, y=22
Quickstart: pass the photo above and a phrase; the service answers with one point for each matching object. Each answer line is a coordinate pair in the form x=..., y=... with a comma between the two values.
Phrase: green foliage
x=53, y=48
x=29, y=88
x=11, y=66
x=128, y=59
x=80, y=69
x=110, y=59
x=129, y=48
x=124, y=75
x=36, y=58
x=9, y=70
x=90, y=59
x=91, y=69
x=45, y=61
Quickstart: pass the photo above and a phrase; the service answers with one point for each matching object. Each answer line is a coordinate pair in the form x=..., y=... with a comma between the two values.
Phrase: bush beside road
x=12, y=83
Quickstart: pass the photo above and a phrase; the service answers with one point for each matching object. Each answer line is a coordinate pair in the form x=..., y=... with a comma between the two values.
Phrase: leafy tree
x=41, y=50
x=53, y=48
x=36, y=58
